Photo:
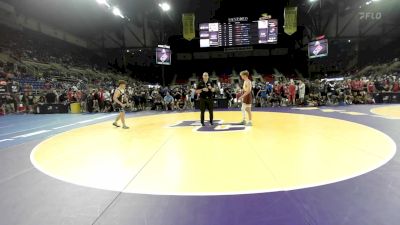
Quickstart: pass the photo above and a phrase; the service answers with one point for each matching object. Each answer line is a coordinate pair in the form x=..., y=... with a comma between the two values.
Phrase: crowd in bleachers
x=370, y=87
x=57, y=80
x=95, y=95
x=284, y=92
x=322, y=92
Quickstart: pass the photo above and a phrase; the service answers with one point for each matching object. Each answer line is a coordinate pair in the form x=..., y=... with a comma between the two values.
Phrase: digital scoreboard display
x=318, y=48
x=238, y=33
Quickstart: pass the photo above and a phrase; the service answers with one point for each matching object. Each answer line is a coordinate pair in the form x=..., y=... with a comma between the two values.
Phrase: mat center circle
x=163, y=154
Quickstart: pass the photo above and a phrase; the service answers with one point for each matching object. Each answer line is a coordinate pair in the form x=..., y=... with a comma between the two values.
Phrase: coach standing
x=206, y=91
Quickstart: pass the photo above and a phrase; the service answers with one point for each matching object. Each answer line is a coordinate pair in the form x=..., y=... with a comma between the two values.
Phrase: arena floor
x=311, y=166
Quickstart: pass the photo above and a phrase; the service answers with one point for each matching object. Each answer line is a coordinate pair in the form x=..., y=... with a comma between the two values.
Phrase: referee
x=206, y=91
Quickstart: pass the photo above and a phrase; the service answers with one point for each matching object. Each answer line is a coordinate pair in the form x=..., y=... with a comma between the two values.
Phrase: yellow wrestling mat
x=168, y=154
x=391, y=112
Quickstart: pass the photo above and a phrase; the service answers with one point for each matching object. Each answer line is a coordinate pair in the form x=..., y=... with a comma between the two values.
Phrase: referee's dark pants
x=209, y=105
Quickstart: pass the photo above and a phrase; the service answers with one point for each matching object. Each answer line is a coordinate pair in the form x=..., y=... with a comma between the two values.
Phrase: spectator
x=101, y=99
x=10, y=106
x=83, y=100
x=302, y=91
x=192, y=97
x=396, y=87
x=157, y=101
x=180, y=105
x=50, y=97
x=292, y=93
x=107, y=101
x=371, y=87
x=42, y=100
x=262, y=95
x=168, y=102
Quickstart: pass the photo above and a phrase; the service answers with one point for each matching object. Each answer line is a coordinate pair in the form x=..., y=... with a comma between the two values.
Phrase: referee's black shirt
x=204, y=94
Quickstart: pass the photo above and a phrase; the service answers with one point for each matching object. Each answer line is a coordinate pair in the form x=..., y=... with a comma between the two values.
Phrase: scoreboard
x=238, y=33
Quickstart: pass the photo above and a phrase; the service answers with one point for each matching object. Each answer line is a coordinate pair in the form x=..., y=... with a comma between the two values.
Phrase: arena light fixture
x=313, y=0
x=103, y=2
x=117, y=12
x=165, y=6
